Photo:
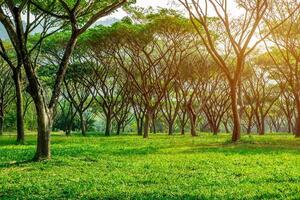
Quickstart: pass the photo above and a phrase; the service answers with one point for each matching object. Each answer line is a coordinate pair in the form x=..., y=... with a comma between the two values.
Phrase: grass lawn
x=161, y=167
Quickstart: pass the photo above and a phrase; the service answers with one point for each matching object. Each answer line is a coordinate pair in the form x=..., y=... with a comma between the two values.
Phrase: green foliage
x=177, y=167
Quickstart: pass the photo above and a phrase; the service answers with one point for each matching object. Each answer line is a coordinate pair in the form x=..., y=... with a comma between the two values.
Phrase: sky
x=173, y=4
x=145, y=4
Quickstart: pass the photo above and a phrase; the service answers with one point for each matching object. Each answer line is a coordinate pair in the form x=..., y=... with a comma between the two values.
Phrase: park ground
x=161, y=167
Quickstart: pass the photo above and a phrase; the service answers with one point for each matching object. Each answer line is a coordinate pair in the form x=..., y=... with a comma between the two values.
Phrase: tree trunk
x=82, y=124
x=108, y=125
x=170, y=131
x=139, y=126
x=289, y=121
x=1, y=125
x=153, y=125
x=19, y=106
x=249, y=130
x=182, y=131
x=193, y=123
x=262, y=127
x=236, y=134
x=147, y=122
x=297, y=125
x=68, y=132
x=44, y=118
x=119, y=125
x=271, y=128
x=69, y=123
x=215, y=130
x=44, y=121
x=226, y=127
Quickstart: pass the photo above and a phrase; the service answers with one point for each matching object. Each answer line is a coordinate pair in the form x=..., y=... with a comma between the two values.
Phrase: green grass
x=161, y=167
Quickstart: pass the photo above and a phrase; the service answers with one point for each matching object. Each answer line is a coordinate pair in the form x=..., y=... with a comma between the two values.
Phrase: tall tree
x=20, y=19
x=262, y=94
x=77, y=93
x=234, y=41
x=7, y=95
x=218, y=101
x=284, y=50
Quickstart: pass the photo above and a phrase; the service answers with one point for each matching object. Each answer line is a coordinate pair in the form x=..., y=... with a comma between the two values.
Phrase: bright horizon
x=171, y=4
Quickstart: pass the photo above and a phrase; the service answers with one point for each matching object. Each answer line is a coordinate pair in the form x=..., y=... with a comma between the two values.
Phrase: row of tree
x=160, y=69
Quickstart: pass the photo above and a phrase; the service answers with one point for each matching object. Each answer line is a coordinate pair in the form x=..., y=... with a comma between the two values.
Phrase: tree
x=15, y=66
x=259, y=90
x=218, y=101
x=77, y=93
x=138, y=108
x=6, y=93
x=284, y=51
x=79, y=15
x=287, y=106
x=106, y=80
x=150, y=57
x=228, y=39
x=170, y=106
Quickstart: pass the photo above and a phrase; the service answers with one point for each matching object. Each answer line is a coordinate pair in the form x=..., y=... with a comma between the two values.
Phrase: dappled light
x=184, y=99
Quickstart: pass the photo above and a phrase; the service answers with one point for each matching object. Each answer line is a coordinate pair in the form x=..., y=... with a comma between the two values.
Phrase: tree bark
x=289, y=122
x=147, y=121
x=170, y=131
x=153, y=124
x=82, y=124
x=44, y=120
x=262, y=127
x=1, y=125
x=249, y=130
x=249, y=126
x=108, y=125
x=226, y=127
x=19, y=106
x=236, y=134
x=119, y=125
x=215, y=130
x=140, y=126
x=297, y=125
x=193, y=123
x=182, y=131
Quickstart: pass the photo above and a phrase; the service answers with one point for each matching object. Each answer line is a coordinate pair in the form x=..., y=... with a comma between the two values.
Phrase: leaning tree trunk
x=236, y=133
x=44, y=122
x=19, y=106
x=44, y=115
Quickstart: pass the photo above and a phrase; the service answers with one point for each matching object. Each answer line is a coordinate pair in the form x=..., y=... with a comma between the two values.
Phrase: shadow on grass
x=16, y=163
x=116, y=146
x=244, y=149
